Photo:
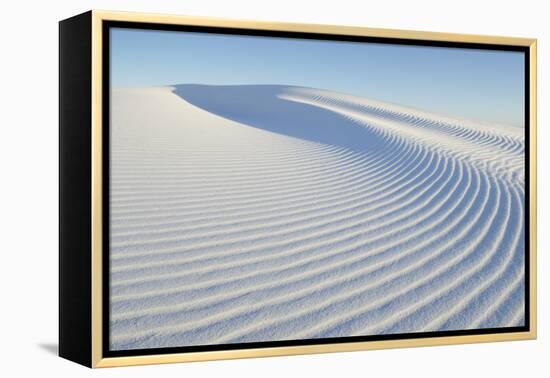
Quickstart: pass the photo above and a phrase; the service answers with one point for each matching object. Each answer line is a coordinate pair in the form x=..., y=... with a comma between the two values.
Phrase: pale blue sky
x=479, y=84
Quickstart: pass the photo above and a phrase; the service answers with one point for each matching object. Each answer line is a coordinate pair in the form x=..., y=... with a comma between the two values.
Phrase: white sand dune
x=262, y=213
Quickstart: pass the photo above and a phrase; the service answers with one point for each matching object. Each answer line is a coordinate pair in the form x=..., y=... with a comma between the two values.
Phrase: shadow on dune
x=260, y=106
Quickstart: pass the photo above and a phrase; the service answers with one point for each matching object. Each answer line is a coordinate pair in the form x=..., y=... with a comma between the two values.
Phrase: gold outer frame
x=97, y=196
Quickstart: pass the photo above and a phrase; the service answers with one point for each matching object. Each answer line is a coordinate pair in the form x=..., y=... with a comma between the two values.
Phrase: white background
x=29, y=186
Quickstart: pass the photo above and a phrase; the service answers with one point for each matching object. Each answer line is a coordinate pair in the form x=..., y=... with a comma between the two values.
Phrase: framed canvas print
x=235, y=189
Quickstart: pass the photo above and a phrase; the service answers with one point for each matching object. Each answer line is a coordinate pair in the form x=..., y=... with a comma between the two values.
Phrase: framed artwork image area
x=235, y=189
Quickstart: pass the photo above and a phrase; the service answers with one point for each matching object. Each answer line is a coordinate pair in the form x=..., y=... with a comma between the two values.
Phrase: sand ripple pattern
x=261, y=213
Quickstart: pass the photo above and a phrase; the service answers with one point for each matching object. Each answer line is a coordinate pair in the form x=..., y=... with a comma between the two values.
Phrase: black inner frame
x=299, y=35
